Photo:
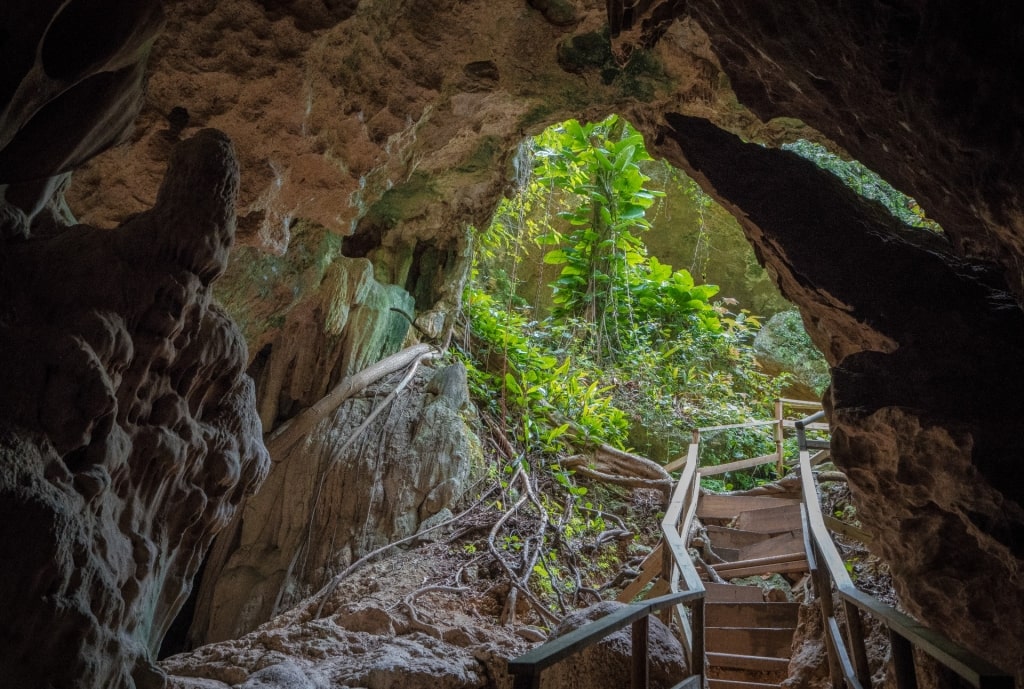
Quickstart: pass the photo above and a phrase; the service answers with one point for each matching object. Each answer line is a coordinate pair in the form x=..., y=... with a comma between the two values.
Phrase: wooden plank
x=732, y=538
x=650, y=569
x=738, y=465
x=777, y=615
x=730, y=593
x=729, y=506
x=728, y=554
x=750, y=641
x=731, y=426
x=758, y=562
x=771, y=520
x=737, y=684
x=846, y=529
x=744, y=662
x=800, y=404
x=788, y=542
x=778, y=568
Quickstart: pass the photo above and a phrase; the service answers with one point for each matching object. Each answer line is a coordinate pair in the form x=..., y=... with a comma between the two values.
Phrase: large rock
x=129, y=432
x=337, y=496
x=608, y=664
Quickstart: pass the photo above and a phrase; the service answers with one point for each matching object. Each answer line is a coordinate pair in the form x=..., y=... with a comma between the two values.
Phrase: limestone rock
x=129, y=433
x=330, y=501
x=920, y=421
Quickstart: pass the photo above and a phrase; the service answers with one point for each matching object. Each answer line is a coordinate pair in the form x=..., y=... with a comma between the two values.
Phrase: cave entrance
x=611, y=290
x=610, y=276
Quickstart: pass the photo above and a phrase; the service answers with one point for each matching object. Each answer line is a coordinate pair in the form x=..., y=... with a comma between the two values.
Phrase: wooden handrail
x=848, y=656
x=527, y=667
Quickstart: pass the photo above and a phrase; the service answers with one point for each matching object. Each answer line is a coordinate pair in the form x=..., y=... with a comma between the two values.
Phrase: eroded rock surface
x=129, y=432
x=367, y=635
x=607, y=665
x=338, y=495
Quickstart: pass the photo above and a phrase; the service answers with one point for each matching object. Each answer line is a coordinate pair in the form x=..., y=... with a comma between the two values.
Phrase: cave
x=305, y=162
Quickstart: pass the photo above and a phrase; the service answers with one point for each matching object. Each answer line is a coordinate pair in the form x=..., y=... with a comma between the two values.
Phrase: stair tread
x=749, y=641
x=771, y=520
x=786, y=542
x=714, y=683
x=732, y=593
x=747, y=662
x=756, y=614
x=728, y=506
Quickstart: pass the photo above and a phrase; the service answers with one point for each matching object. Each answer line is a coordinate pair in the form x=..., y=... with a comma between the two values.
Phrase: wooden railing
x=527, y=668
x=679, y=593
x=847, y=653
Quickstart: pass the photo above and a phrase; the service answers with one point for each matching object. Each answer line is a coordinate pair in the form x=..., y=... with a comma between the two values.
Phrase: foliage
x=784, y=344
x=866, y=183
x=607, y=280
x=536, y=391
x=629, y=345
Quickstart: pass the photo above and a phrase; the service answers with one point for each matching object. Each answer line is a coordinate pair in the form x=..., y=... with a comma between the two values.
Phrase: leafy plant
x=865, y=182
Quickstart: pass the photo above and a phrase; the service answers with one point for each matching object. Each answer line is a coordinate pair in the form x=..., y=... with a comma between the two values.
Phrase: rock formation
x=389, y=126
x=338, y=495
x=129, y=429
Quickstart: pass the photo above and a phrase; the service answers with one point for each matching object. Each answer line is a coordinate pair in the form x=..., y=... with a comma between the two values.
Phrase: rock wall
x=922, y=423
x=337, y=496
x=129, y=430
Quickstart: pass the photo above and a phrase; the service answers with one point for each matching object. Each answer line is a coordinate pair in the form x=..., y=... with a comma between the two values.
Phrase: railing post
x=640, y=667
x=903, y=668
x=697, y=651
x=855, y=637
x=823, y=584
x=779, y=435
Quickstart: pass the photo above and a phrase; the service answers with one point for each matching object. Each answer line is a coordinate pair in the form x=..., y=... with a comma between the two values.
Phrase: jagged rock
x=607, y=665
x=330, y=501
x=129, y=433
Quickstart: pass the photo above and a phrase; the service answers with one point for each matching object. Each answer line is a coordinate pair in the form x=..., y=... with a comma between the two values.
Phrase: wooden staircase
x=748, y=634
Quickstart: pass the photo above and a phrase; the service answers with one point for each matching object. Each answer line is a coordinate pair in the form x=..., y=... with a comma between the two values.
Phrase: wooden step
x=728, y=506
x=737, y=684
x=779, y=615
x=745, y=662
x=771, y=520
x=723, y=536
x=730, y=593
x=788, y=542
x=749, y=641
x=779, y=564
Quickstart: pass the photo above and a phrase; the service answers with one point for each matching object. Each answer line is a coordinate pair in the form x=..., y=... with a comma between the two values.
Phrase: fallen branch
x=283, y=438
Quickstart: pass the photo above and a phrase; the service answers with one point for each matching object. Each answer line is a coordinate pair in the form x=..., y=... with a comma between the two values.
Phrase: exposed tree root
x=609, y=465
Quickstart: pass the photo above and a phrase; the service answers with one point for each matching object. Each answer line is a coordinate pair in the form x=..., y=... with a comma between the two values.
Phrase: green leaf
x=555, y=257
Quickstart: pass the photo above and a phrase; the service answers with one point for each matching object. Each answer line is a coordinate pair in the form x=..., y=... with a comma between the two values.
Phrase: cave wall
x=128, y=428
x=389, y=126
